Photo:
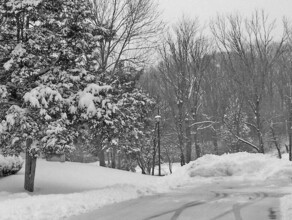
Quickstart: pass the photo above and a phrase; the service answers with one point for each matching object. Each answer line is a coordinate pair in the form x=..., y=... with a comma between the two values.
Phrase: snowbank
x=238, y=166
x=10, y=165
x=57, y=206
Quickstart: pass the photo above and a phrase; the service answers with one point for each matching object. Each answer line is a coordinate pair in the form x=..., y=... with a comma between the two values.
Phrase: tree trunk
x=276, y=142
x=101, y=158
x=259, y=127
x=215, y=143
x=287, y=148
x=159, y=152
x=30, y=166
x=169, y=161
x=114, y=157
x=181, y=133
x=195, y=129
x=119, y=161
x=142, y=167
x=182, y=156
x=188, y=141
x=154, y=151
x=170, y=167
x=108, y=154
x=153, y=159
x=198, y=150
x=149, y=166
x=238, y=143
x=182, y=159
x=290, y=129
x=197, y=146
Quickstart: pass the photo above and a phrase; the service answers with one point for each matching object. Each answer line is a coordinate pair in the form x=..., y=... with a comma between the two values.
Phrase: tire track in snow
x=179, y=211
x=236, y=208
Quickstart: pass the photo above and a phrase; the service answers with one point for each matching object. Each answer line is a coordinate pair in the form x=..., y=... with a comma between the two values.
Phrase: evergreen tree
x=49, y=80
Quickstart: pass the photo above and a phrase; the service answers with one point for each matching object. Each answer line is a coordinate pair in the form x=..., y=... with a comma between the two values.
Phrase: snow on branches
x=90, y=97
x=18, y=126
x=57, y=139
x=19, y=4
x=42, y=96
x=3, y=92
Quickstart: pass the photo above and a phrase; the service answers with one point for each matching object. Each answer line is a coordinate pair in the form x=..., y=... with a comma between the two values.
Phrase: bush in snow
x=10, y=165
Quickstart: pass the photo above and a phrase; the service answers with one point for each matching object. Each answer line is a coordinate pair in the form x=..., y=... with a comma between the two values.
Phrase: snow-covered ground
x=66, y=189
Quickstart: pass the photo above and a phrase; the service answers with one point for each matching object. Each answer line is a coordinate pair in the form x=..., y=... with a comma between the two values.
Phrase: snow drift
x=247, y=165
x=237, y=166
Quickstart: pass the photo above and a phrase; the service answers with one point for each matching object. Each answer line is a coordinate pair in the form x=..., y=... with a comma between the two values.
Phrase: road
x=216, y=201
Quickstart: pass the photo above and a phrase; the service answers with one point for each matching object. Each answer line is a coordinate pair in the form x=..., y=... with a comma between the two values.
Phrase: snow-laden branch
x=252, y=125
x=247, y=142
x=205, y=127
x=202, y=122
x=41, y=96
x=3, y=91
x=95, y=104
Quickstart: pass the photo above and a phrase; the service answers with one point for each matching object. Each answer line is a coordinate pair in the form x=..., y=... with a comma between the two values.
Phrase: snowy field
x=66, y=189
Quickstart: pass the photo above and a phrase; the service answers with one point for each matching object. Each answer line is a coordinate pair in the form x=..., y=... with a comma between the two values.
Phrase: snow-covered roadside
x=57, y=206
x=66, y=189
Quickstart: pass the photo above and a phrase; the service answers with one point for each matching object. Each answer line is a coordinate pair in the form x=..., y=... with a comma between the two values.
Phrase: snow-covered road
x=221, y=201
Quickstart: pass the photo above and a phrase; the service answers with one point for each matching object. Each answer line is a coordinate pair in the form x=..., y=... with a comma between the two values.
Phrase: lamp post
x=157, y=118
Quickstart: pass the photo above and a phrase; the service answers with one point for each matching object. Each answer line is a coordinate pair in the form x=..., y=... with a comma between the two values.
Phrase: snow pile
x=240, y=166
x=10, y=165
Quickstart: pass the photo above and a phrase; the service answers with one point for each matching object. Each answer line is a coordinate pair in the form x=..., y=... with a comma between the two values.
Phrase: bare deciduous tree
x=185, y=59
x=250, y=51
x=131, y=28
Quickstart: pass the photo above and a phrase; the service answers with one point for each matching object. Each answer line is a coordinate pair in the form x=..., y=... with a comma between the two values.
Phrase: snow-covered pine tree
x=133, y=123
x=49, y=80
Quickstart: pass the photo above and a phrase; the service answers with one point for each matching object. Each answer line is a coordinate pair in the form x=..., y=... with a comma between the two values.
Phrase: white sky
x=207, y=9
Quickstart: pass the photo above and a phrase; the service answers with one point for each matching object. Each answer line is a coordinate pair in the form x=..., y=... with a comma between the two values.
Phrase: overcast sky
x=206, y=9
